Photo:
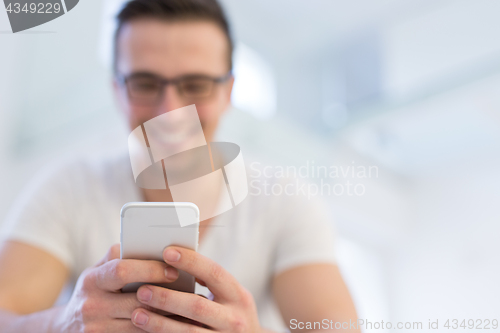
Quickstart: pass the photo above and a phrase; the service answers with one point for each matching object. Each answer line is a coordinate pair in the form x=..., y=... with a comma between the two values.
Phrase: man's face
x=170, y=51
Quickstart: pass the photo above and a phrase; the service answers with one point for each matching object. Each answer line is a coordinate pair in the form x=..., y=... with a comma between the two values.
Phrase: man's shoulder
x=76, y=173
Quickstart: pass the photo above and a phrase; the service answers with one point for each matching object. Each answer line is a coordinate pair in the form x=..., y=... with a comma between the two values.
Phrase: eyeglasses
x=147, y=88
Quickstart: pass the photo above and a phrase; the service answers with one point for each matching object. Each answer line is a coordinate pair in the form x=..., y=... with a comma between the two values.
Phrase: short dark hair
x=173, y=11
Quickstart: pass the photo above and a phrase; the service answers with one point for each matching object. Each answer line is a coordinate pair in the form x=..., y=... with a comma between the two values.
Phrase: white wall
x=449, y=267
x=55, y=97
x=421, y=242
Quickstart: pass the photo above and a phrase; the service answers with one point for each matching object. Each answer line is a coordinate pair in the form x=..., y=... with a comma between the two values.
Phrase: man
x=271, y=253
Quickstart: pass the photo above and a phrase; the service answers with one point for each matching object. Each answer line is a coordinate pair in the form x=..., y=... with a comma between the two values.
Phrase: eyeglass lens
x=149, y=89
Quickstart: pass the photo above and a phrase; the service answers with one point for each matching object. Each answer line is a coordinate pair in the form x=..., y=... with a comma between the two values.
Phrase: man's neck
x=157, y=195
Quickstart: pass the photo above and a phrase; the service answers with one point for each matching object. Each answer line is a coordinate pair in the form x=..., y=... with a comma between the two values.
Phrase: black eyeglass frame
x=123, y=79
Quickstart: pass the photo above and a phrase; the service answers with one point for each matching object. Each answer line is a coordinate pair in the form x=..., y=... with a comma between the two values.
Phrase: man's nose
x=171, y=99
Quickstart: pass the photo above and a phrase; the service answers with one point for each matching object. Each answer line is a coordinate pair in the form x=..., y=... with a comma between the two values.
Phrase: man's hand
x=232, y=310
x=97, y=305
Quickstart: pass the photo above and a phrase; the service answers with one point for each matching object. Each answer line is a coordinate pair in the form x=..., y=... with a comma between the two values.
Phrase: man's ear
x=229, y=89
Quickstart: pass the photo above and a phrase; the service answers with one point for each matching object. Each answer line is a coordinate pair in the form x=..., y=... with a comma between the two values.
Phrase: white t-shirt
x=73, y=212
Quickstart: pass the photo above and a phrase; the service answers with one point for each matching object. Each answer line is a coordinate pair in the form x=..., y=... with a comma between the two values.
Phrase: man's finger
x=115, y=274
x=121, y=305
x=154, y=323
x=201, y=282
x=120, y=325
x=217, y=279
x=187, y=305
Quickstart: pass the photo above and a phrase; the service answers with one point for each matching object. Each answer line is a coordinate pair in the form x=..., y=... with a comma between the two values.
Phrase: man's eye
x=196, y=87
x=145, y=86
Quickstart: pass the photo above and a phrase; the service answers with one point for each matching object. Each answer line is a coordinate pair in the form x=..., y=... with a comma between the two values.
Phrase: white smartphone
x=147, y=228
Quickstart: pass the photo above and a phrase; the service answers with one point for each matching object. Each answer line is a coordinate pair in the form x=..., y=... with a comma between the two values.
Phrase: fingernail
x=141, y=318
x=171, y=273
x=171, y=255
x=144, y=294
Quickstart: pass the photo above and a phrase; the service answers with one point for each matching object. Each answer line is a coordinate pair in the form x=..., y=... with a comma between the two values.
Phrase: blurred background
x=409, y=87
